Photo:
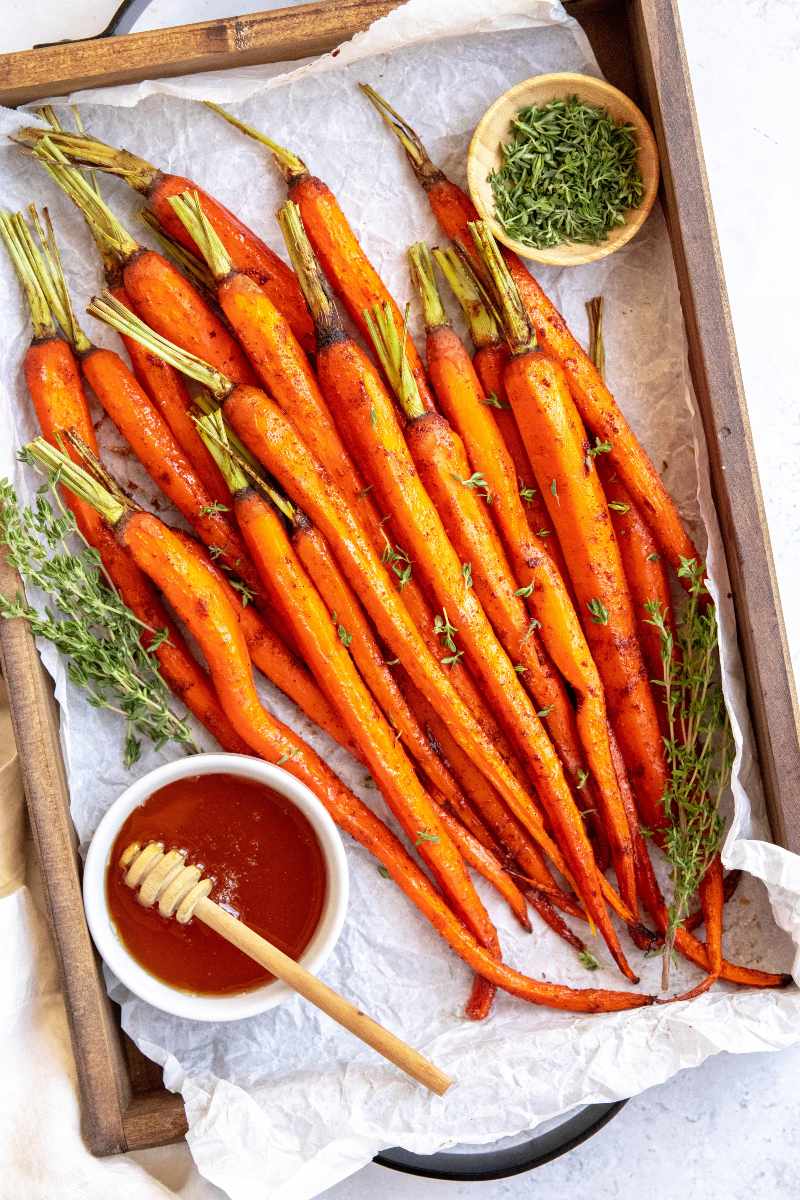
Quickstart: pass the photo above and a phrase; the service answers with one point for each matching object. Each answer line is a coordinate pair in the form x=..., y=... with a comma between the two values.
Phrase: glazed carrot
x=564, y=462
x=284, y=369
x=603, y=418
x=282, y=574
x=248, y=251
x=194, y=593
x=158, y=291
x=458, y=391
x=54, y=382
x=342, y=256
x=490, y=360
x=273, y=440
x=349, y=380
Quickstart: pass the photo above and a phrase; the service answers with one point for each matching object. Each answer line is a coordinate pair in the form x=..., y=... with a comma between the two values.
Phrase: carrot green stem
x=189, y=211
x=424, y=279
x=247, y=461
x=426, y=171
x=483, y=328
x=46, y=262
x=597, y=347
x=62, y=470
x=503, y=290
x=93, y=465
x=313, y=283
x=213, y=431
x=189, y=263
x=290, y=165
x=112, y=313
x=85, y=151
x=232, y=459
x=391, y=351
x=41, y=320
x=110, y=235
x=48, y=113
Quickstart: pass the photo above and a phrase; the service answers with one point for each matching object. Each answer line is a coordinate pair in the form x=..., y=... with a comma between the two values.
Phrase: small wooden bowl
x=492, y=130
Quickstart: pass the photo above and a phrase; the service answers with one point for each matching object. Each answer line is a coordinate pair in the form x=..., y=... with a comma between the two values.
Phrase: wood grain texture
x=275, y=36
x=102, y=1075
x=123, y=1105
x=664, y=77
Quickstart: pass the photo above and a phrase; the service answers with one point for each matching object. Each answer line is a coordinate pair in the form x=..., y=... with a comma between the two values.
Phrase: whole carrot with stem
x=54, y=382
x=603, y=418
x=644, y=567
x=323, y=647
x=554, y=617
x=490, y=360
x=564, y=462
x=250, y=252
x=350, y=381
x=195, y=594
x=160, y=294
x=342, y=256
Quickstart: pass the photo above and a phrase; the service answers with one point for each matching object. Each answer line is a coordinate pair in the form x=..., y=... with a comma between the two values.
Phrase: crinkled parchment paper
x=285, y=1104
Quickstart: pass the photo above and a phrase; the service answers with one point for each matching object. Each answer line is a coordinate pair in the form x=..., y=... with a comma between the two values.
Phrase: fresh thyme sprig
x=699, y=744
x=97, y=634
x=569, y=174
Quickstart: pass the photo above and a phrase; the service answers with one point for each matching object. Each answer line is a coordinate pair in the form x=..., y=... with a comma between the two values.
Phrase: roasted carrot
x=158, y=291
x=250, y=253
x=193, y=592
x=54, y=382
x=490, y=360
x=564, y=462
x=458, y=390
x=346, y=265
x=349, y=380
x=603, y=418
x=271, y=437
x=324, y=646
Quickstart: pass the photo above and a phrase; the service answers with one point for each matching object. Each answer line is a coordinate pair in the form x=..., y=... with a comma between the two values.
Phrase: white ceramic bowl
x=112, y=949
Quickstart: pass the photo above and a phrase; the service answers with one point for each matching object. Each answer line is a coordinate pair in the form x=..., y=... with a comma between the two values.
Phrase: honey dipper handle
x=279, y=964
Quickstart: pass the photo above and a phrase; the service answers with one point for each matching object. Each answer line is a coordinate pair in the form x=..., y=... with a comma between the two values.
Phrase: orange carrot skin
x=165, y=387
x=282, y=573
x=140, y=423
x=487, y=865
x=490, y=363
x=314, y=553
x=170, y=304
x=346, y=374
x=644, y=568
x=598, y=408
x=54, y=383
x=247, y=251
x=347, y=267
x=273, y=440
x=459, y=393
x=211, y=620
x=547, y=418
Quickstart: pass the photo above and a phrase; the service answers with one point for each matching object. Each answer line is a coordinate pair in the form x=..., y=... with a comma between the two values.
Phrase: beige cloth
x=42, y=1155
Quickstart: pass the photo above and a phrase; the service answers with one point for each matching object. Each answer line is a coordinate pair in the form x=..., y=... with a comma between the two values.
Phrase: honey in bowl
x=268, y=869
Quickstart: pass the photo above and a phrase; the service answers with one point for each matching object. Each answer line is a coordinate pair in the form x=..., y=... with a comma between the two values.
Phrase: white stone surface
x=727, y=1130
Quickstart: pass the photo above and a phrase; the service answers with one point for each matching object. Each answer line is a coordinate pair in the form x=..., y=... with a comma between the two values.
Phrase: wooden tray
x=638, y=44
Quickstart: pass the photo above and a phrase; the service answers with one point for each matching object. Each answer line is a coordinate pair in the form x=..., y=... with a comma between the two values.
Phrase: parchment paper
x=286, y=1104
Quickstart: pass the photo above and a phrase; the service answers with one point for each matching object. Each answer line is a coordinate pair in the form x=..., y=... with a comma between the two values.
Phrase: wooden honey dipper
x=181, y=892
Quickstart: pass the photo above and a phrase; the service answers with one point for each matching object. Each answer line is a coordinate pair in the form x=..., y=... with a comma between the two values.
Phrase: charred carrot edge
x=211, y=619
x=454, y=211
x=343, y=259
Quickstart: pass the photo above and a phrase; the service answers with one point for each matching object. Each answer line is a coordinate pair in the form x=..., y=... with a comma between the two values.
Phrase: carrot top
x=313, y=283
x=290, y=165
x=475, y=305
x=189, y=211
x=390, y=348
x=503, y=290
